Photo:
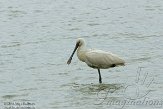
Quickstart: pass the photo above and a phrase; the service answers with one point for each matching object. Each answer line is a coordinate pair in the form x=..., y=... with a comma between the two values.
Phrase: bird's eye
x=79, y=43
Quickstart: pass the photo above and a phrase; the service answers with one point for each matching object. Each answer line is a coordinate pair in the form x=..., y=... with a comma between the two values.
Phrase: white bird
x=96, y=59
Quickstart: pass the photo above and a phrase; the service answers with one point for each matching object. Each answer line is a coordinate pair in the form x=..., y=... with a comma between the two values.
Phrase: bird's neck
x=82, y=48
x=81, y=52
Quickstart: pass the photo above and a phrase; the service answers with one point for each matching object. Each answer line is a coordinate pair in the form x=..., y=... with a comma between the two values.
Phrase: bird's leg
x=100, y=79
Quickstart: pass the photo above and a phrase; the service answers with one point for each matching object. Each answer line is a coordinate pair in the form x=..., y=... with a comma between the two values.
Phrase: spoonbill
x=96, y=59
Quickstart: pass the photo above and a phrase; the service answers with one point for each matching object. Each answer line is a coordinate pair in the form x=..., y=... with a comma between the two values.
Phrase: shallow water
x=37, y=38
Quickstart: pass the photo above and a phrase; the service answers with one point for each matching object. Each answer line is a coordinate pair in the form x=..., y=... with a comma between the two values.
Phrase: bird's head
x=79, y=42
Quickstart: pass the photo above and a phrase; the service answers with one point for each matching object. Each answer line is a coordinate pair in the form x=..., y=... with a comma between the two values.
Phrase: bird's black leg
x=100, y=79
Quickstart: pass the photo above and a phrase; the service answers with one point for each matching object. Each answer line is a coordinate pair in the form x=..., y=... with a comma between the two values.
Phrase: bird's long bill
x=69, y=60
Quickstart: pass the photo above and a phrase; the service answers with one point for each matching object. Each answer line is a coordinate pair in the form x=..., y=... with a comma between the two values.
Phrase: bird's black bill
x=69, y=60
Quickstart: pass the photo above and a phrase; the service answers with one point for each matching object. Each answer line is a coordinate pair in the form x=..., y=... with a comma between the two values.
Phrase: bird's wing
x=102, y=59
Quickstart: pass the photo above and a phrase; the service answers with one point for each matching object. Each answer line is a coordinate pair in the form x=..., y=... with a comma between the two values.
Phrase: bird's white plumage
x=102, y=59
x=97, y=58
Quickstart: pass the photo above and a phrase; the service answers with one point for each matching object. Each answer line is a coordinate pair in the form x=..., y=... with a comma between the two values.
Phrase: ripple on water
x=12, y=96
x=9, y=96
x=74, y=29
x=28, y=89
x=13, y=45
x=84, y=93
x=142, y=59
x=93, y=24
x=14, y=13
x=91, y=88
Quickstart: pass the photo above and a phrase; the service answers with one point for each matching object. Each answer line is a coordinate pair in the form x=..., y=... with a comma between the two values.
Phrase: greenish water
x=37, y=38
